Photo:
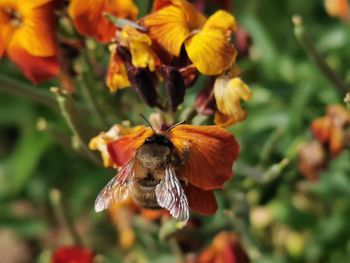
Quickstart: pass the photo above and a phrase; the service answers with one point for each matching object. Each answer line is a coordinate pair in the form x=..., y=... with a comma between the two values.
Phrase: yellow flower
x=117, y=77
x=140, y=48
x=229, y=89
x=101, y=141
x=207, y=41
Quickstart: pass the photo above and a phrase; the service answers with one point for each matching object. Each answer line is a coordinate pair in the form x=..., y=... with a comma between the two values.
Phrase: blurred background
x=283, y=205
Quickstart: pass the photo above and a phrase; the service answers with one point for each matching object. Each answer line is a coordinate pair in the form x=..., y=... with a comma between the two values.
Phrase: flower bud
x=174, y=86
x=141, y=80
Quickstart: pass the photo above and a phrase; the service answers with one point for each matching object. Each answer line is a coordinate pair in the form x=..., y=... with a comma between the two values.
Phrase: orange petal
x=321, y=128
x=37, y=69
x=88, y=16
x=227, y=120
x=336, y=142
x=117, y=77
x=211, y=151
x=172, y=25
x=37, y=32
x=201, y=201
x=123, y=149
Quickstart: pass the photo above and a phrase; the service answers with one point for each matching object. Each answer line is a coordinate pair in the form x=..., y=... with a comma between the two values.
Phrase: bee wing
x=116, y=190
x=171, y=196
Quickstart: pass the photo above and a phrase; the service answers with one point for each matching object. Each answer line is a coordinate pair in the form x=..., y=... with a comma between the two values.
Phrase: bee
x=150, y=179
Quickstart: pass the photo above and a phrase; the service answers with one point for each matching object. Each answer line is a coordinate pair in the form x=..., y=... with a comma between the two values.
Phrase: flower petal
x=228, y=92
x=210, y=51
x=37, y=69
x=140, y=48
x=88, y=16
x=172, y=25
x=201, y=201
x=117, y=77
x=211, y=151
x=226, y=121
x=6, y=31
x=37, y=32
x=123, y=149
x=221, y=20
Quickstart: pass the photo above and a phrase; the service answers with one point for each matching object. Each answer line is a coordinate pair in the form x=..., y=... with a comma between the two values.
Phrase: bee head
x=160, y=140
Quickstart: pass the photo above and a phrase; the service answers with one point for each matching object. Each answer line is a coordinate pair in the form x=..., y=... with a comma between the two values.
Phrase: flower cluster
x=160, y=56
x=331, y=134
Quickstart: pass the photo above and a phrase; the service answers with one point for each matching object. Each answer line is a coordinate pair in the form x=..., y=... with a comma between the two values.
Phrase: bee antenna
x=148, y=123
x=172, y=127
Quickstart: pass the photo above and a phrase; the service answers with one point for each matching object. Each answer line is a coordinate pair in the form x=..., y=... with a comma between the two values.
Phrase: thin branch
x=309, y=47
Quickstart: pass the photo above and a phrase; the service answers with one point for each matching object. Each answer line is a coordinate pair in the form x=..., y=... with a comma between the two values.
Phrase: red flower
x=72, y=254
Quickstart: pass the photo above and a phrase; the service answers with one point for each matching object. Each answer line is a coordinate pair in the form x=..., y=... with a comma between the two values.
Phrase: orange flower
x=72, y=254
x=27, y=37
x=88, y=16
x=337, y=8
x=229, y=89
x=207, y=154
x=331, y=129
x=206, y=41
x=224, y=248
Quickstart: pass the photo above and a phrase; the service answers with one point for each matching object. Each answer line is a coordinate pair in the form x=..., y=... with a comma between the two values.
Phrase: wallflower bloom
x=206, y=41
x=224, y=248
x=331, y=129
x=88, y=16
x=229, y=89
x=72, y=254
x=207, y=154
x=27, y=37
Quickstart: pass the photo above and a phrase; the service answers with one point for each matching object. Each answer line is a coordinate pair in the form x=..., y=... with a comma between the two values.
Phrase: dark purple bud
x=141, y=80
x=205, y=101
x=174, y=86
x=124, y=54
x=243, y=42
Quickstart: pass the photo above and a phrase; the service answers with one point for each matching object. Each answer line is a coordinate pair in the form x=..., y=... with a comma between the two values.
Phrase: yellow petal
x=140, y=48
x=228, y=92
x=210, y=51
x=221, y=20
x=172, y=25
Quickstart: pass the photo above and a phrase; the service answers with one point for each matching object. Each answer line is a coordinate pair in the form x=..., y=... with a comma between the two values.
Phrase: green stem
x=76, y=122
x=32, y=93
x=62, y=218
x=309, y=47
x=87, y=86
